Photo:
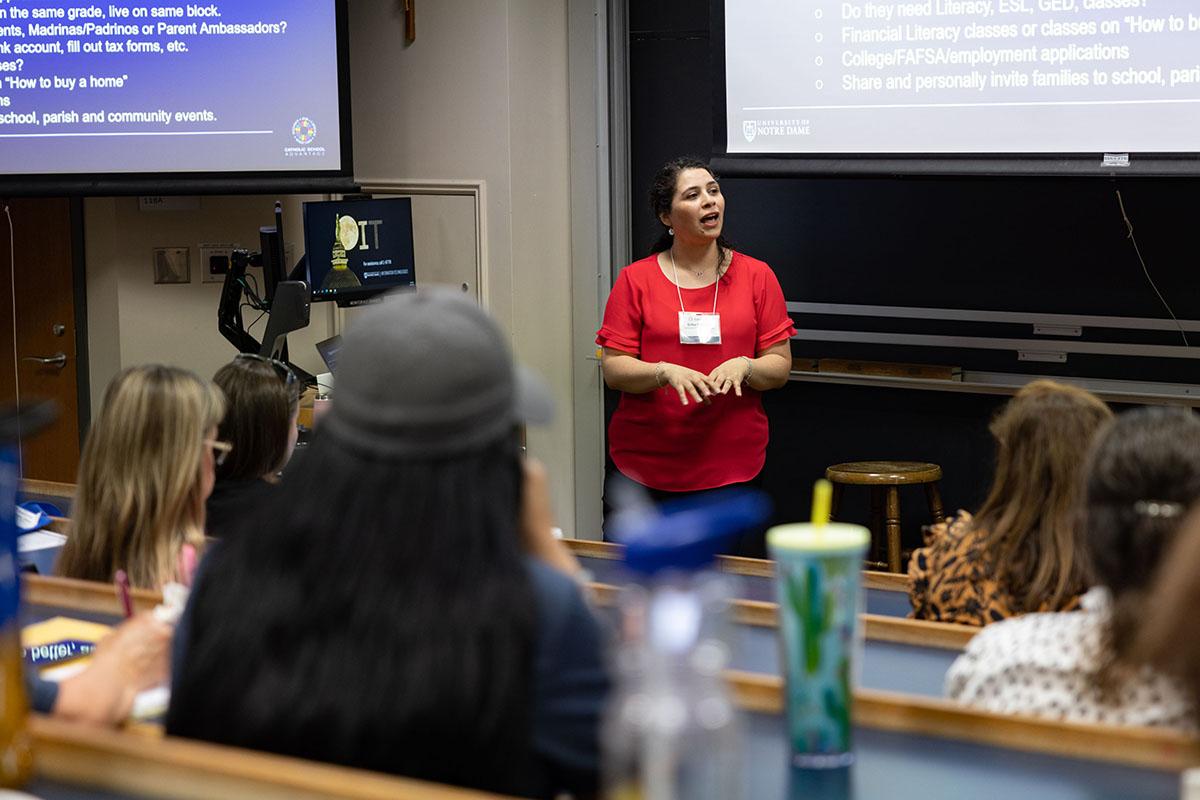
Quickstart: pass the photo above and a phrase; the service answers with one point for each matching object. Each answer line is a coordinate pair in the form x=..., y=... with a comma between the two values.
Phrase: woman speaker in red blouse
x=692, y=335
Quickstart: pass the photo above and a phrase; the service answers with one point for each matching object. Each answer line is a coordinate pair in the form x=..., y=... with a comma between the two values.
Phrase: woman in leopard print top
x=1017, y=554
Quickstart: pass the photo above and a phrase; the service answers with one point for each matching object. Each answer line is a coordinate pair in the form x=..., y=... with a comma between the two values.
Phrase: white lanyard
x=675, y=274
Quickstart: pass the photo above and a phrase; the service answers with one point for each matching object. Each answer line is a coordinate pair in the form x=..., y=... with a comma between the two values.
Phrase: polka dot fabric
x=1042, y=664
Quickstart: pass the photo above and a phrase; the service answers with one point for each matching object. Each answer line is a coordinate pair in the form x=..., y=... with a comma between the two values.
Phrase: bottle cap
x=686, y=534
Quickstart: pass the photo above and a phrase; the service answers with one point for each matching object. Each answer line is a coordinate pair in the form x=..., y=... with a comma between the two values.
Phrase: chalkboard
x=1004, y=244
x=1036, y=245
x=1046, y=245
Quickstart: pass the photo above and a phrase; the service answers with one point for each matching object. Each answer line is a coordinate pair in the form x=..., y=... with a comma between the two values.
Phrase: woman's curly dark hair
x=662, y=194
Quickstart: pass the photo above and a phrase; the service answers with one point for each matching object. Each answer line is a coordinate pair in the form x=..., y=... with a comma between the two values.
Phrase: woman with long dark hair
x=692, y=335
x=1167, y=637
x=262, y=409
x=1141, y=477
x=402, y=605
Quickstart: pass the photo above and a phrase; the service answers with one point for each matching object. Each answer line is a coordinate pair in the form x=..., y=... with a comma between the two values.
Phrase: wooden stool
x=885, y=479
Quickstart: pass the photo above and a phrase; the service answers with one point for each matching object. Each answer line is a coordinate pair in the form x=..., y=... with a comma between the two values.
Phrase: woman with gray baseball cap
x=400, y=604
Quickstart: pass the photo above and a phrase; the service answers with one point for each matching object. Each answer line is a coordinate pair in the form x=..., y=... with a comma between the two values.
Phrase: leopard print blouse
x=948, y=579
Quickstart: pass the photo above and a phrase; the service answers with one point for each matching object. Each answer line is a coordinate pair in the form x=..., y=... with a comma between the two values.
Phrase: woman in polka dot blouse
x=1142, y=475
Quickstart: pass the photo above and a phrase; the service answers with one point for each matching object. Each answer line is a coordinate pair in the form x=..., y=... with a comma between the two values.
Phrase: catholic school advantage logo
x=749, y=129
x=304, y=130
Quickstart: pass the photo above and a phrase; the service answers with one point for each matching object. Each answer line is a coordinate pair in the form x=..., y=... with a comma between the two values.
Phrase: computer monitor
x=270, y=241
x=329, y=349
x=357, y=249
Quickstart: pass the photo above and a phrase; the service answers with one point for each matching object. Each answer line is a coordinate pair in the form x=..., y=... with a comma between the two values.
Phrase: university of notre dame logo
x=749, y=129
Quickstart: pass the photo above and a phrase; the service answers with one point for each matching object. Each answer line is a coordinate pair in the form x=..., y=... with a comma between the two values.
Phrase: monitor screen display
x=329, y=349
x=1097, y=84
x=358, y=248
x=166, y=91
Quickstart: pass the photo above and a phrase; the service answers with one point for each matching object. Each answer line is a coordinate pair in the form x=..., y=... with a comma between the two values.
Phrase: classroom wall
x=482, y=95
x=131, y=320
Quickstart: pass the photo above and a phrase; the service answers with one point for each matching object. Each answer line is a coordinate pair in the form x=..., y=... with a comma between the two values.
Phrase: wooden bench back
x=754, y=692
x=736, y=565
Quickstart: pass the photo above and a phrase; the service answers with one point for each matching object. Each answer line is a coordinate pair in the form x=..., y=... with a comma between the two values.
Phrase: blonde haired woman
x=145, y=473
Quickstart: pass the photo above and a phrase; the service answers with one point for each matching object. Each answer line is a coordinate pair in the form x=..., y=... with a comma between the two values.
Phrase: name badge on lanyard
x=696, y=327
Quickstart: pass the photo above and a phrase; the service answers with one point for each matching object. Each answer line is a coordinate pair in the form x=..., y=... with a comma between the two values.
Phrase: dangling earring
x=670, y=231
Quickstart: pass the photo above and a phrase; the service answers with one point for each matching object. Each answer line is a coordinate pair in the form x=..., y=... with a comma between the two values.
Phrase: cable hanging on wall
x=1145, y=269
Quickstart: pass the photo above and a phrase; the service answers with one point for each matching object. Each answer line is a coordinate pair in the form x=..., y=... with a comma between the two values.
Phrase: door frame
x=83, y=372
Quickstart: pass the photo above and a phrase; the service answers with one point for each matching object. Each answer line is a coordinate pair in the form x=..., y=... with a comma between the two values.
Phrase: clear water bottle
x=671, y=731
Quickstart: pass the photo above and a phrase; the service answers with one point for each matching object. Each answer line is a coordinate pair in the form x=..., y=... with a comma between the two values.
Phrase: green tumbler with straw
x=819, y=587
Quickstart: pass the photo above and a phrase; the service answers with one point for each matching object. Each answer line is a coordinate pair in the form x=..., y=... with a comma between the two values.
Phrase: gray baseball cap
x=428, y=373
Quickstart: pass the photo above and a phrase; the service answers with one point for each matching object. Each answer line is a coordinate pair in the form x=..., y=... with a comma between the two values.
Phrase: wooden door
x=43, y=360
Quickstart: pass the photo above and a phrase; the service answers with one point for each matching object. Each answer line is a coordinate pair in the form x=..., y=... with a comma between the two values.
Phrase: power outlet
x=214, y=261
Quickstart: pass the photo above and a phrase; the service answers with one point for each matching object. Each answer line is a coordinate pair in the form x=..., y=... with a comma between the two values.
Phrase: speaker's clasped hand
x=688, y=383
x=730, y=374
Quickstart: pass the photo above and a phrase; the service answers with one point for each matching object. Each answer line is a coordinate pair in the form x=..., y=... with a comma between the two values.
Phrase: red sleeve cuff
x=610, y=339
x=783, y=330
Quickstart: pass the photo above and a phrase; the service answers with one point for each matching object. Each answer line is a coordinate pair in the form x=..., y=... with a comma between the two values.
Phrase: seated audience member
x=135, y=656
x=1018, y=553
x=144, y=475
x=1083, y=665
x=1167, y=637
x=262, y=398
x=402, y=604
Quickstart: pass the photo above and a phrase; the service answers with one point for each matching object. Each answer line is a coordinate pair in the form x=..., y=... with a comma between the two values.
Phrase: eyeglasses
x=284, y=372
x=221, y=450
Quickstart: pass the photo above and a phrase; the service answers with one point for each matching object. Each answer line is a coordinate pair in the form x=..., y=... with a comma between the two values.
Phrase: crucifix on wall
x=410, y=20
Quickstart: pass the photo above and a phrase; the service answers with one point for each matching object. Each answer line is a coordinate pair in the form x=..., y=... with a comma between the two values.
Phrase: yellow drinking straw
x=822, y=499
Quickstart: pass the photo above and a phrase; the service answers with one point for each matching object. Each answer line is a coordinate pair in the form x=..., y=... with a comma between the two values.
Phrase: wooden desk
x=906, y=746
x=60, y=494
x=124, y=764
x=887, y=593
x=132, y=764
x=903, y=655
x=62, y=491
x=900, y=655
x=904, y=749
x=908, y=656
x=68, y=594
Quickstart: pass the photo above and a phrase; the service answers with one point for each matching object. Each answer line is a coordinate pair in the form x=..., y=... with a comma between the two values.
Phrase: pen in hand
x=121, y=579
x=187, y=564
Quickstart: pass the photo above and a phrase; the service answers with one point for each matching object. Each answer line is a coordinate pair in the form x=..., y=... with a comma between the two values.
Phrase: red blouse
x=652, y=437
